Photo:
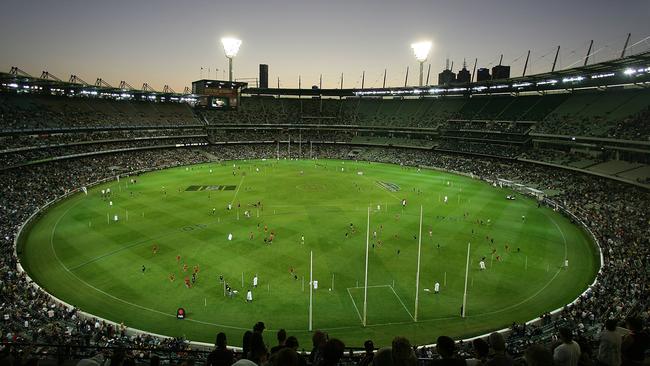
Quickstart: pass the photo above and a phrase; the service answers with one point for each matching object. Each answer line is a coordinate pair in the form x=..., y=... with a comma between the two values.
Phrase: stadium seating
x=114, y=137
x=40, y=112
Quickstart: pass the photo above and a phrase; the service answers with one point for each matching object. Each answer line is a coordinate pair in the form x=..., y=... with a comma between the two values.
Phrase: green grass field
x=75, y=253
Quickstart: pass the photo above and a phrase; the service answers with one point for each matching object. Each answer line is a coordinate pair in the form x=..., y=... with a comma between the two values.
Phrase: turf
x=95, y=263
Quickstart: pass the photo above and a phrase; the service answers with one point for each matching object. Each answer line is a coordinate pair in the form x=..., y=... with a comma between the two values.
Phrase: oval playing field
x=78, y=252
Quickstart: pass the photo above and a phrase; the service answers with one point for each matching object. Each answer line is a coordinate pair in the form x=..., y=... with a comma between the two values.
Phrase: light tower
x=421, y=52
x=230, y=48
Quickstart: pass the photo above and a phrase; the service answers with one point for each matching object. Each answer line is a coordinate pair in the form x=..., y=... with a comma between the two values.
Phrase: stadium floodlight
x=230, y=48
x=421, y=52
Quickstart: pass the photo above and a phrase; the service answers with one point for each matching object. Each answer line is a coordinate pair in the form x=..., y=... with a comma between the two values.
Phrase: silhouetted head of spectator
x=259, y=327
x=369, y=346
x=384, y=357
x=611, y=324
x=634, y=324
x=246, y=343
x=402, y=352
x=282, y=336
x=319, y=338
x=497, y=343
x=221, y=340
x=481, y=348
x=445, y=346
x=292, y=342
x=259, y=353
x=333, y=351
x=285, y=357
x=566, y=336
x=538, y=355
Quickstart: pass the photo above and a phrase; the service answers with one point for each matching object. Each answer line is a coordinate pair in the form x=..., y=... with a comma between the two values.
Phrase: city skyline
x=164, y=42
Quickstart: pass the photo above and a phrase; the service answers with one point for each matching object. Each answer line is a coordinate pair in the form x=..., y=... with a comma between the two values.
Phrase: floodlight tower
x=230, y=48
x=421, y=51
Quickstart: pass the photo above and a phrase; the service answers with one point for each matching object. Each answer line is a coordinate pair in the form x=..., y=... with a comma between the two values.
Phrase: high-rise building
x=500, y=72
x=483, y=74
x=446, y=76
x=463, y=75
x=264, y=76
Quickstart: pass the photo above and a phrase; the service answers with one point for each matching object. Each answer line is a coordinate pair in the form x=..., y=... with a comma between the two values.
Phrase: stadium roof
x=17, y=78
x=629, y=70
x=634, y=69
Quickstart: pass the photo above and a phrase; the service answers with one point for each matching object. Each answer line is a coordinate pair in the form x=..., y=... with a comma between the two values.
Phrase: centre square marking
x=210, y=188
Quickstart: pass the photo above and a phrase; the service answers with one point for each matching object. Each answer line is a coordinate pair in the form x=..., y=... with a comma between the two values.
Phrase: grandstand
x=587, y=146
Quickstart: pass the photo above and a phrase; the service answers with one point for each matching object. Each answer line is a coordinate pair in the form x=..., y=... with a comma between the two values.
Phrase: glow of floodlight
x=230, y=46
x=421, y=50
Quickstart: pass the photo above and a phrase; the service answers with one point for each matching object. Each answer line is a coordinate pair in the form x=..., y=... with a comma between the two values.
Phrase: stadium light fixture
x=421, y=52
x=230, y=48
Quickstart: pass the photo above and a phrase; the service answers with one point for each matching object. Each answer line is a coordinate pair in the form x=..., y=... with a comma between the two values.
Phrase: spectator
x=292, y=342
x=221, y=355
x=538, y=355
x=498, y=356
x=285, y=356
x=246, y=344
x=282, y=338
x=402, y=352
x=568, y=352
x=481, y=352
x=258, y=354
x=446, y=349
x=259, y=327
x=609, y=348
x=332, y=352
x=369, y=355
x=384, y=357
x=635, y=344
x=318, y=340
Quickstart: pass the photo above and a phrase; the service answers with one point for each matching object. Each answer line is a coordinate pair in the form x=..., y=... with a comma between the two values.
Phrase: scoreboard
x=217, y=94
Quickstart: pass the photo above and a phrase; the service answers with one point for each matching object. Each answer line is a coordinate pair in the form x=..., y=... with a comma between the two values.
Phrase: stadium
x=141, y=223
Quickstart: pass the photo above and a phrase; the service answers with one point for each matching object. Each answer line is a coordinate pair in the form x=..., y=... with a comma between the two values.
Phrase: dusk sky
x=168, y=41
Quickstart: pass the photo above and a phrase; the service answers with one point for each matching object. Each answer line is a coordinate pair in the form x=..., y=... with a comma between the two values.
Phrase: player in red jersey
x=178, y=259
x=188, y=284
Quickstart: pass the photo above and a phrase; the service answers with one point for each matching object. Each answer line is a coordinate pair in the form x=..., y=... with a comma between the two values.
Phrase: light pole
x=230, y=48
x=421, y=51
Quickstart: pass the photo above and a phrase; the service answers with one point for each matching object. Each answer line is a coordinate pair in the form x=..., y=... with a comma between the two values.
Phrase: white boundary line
x=439, y=169
x=115, y=297
x=237, y=191
x=373, y=286
x=354, y=303
x=401, y=302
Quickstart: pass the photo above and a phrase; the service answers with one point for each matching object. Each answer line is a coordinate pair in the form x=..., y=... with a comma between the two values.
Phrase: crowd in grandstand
x=618, y=214
x=42, y=112
x=38, y=128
